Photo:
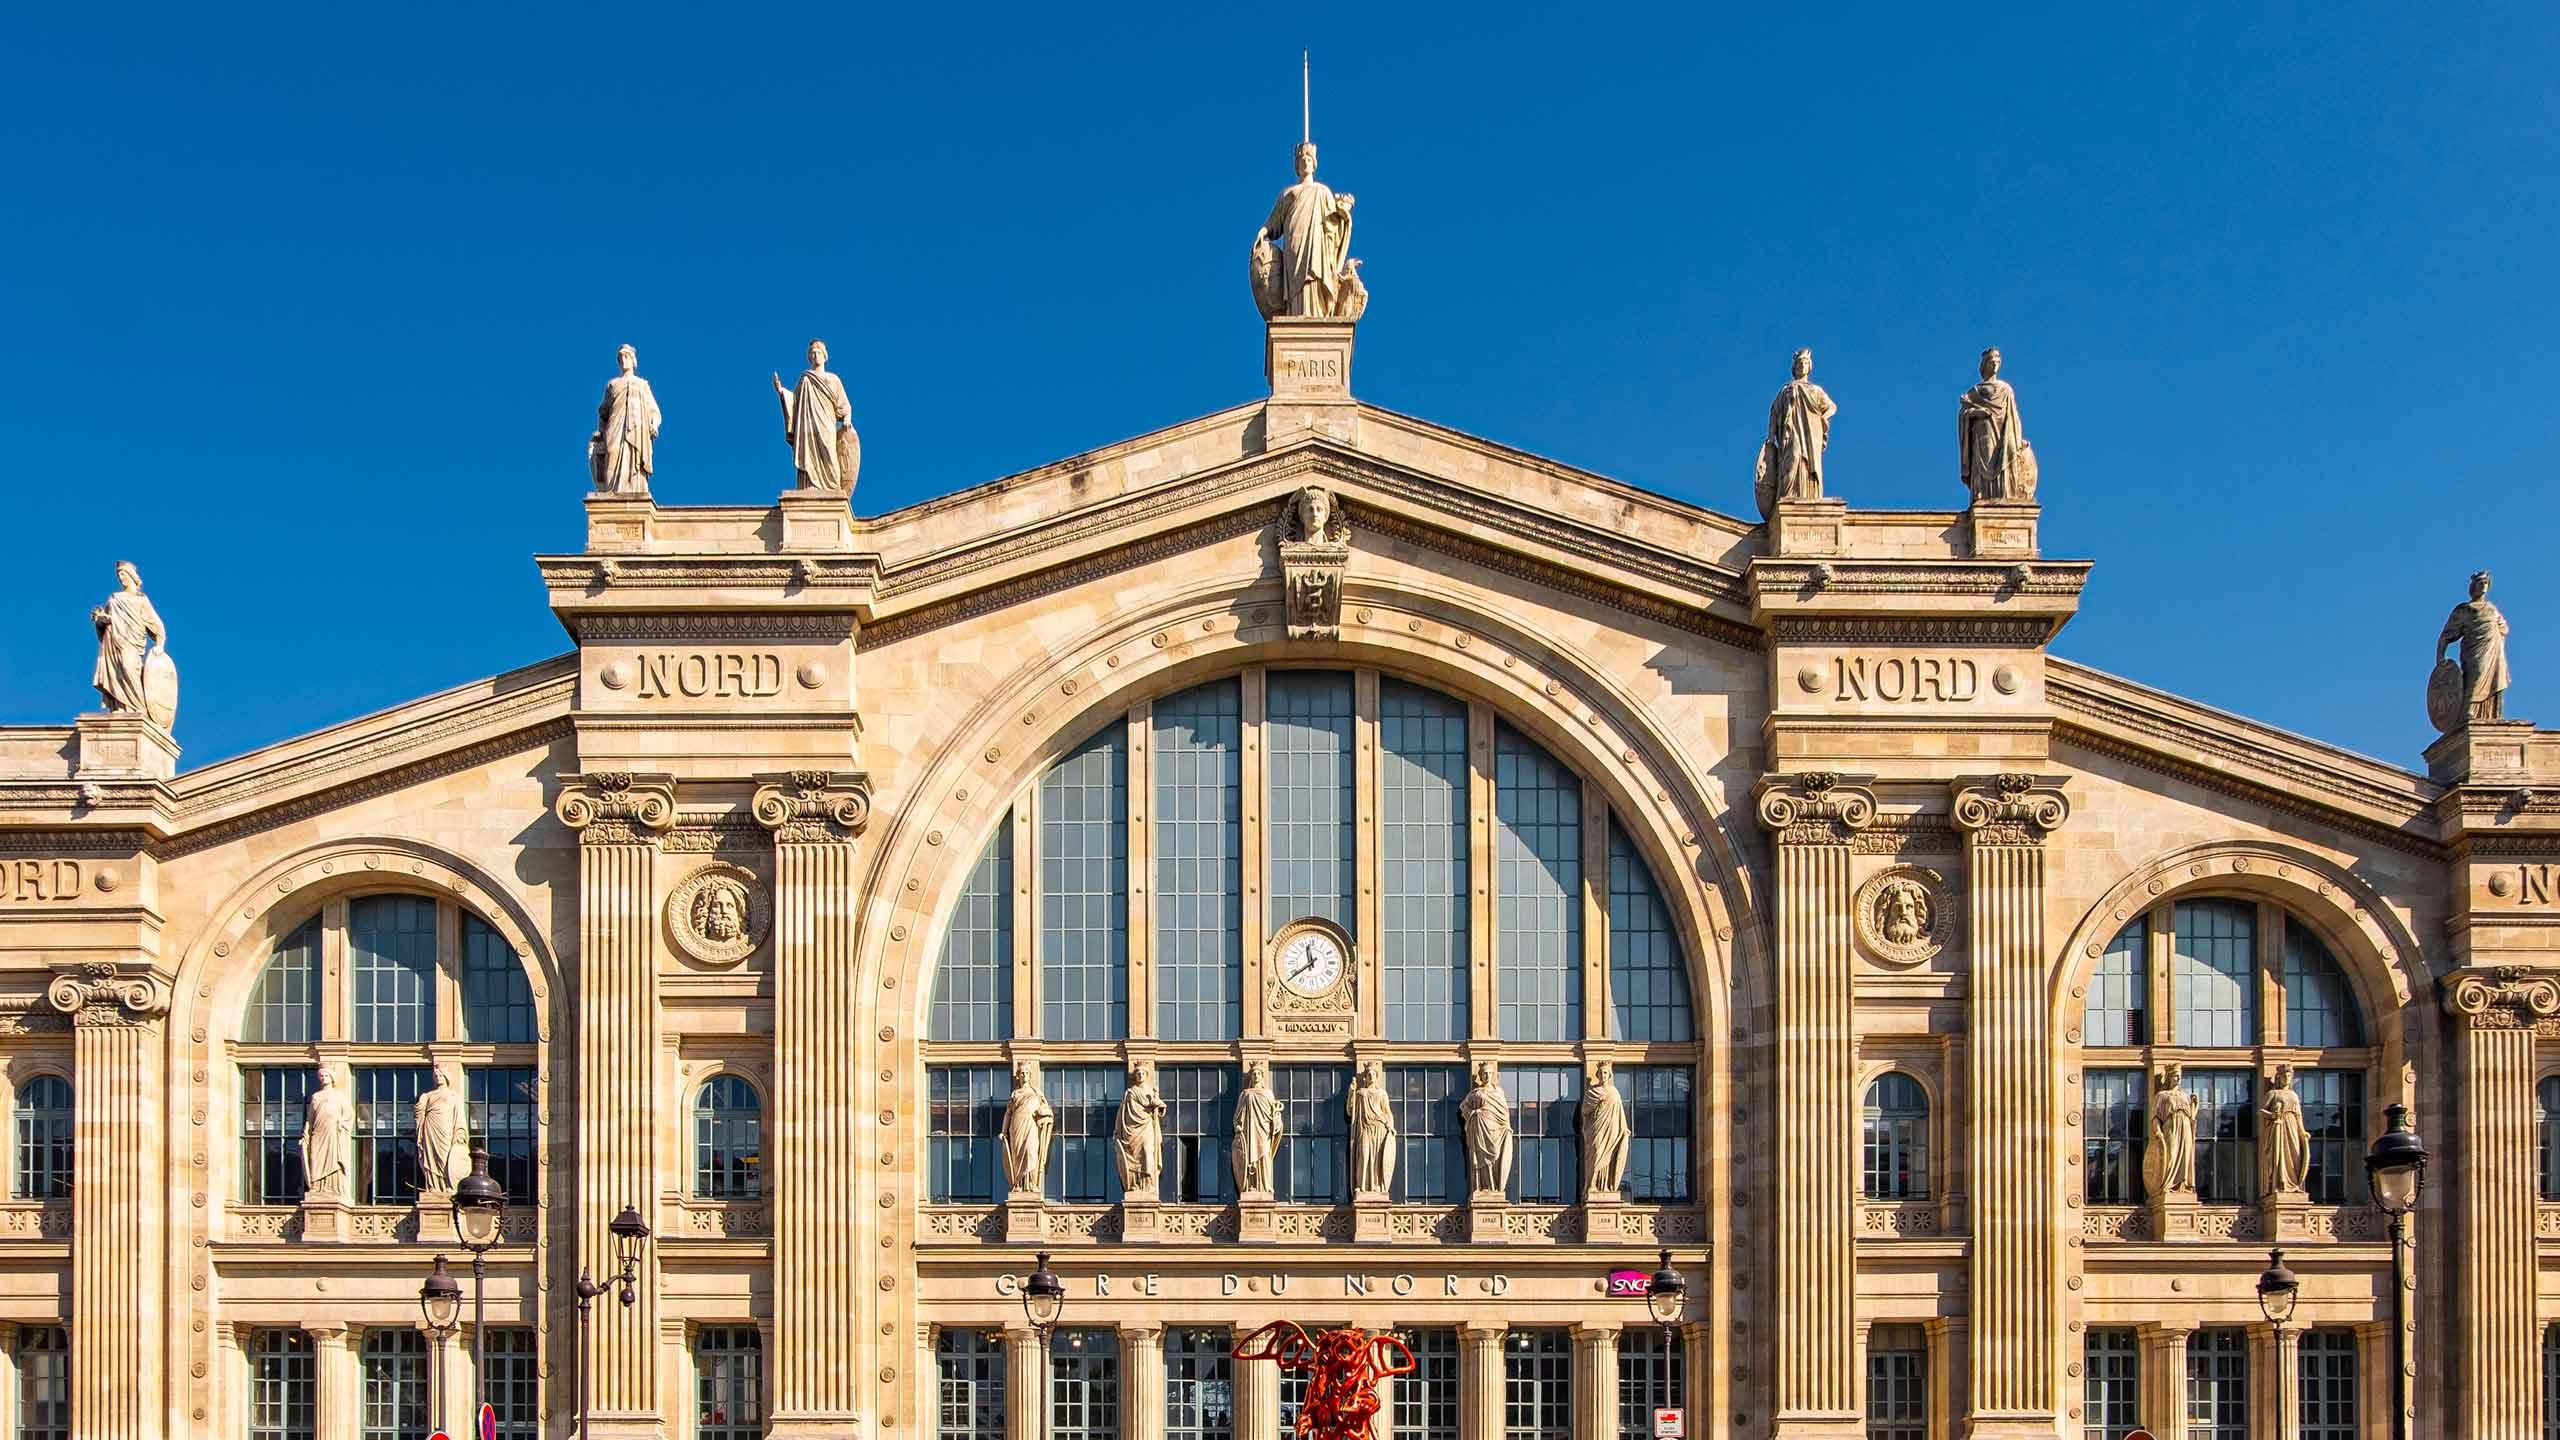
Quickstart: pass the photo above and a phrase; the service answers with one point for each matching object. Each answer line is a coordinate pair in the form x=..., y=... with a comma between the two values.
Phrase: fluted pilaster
x=2495, y=1012
x=2015, y=1381
x=1480, y=1382
x=1026, y=1384
x=1141, y=1382
x=1812, y=818
x=118, y=1208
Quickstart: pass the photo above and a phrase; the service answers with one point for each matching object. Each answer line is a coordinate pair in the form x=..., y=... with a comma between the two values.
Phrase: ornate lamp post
x=629, y=1233
x=440, y=1303
x=479, y=1215
x=1044, y=1300
x=2395, y=1169
x=1666, y=1295
x=2279, y=1289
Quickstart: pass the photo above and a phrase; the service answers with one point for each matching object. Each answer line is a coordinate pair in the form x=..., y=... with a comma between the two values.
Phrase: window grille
x=2218, y=1385
x=2226, y=1135
x=44, y=1139
x=1537, y=809
x=2330, y=1397
x=271, y=1110
x=969, y=1385
x=973, y=981
x=1897, y=1383
x=1199, y=863
x=1897, y=1125
x=2320, y=1007
x=391, y=942
x=1422, y=800
x=1537, y=1385
x=1659, y=1122
x=2114, y=1131
x=2119, y=1010
x=506, y=1116
x=1084, y=1385
x=964, y=1113
x=514, y=1388
x=284, y=1006
x=2333, y=1112
x=1307, y=748
x=1199, y=1120
x=1432, y=1165
x=2215, y=965
x=1293, y=1399
x=728, y=1140
x=1650, y=1378
x=284, y=1386
x=728, y=1382
x=497, y=999
x=2111, y=1385
x=1199, y=1385
x=1648, y=979
x=387, y=1132
x=393, y=1364
x=1425, y=1405
x=1315, y=1154
x=44, y=1383
x=1084, y=892
x=1084, y=1167
x=1546, y=1167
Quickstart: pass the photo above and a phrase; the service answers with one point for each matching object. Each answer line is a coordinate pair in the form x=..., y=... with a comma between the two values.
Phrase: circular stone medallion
x=718, y=914
x=1902, y=914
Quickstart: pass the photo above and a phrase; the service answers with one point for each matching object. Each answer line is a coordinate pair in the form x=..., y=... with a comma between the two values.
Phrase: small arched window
x=44, y=1139
x=1897, y=1125
x=284, y=1007
x=728, y=1140
x=2319, y=1006
x=497, y=999
x=2546, y=1130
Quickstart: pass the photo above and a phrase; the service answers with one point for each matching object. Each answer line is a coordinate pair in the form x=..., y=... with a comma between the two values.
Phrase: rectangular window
x=2114, y=1106
x=47, y=1123
x=728, y=1383
x=1199, y=1385
x=391, y=944
x=2215, y=968
x=1658, y=1122
x=2226, y=1135
x=284, y=1386
x=2333, y=1112
x=1084, y=892
x=1084, y=1385
x=2119, y=1010
x=1546, y=1167
x=1537, y=1385
x=973, y=981
x=2218, y=1385
x=514, y=1391
x=1293, y=1399
x=393, y=1364
x=1315, y=1149
x=1307, y=740
x=1650, y=1378
x=497, y=1004
x=2111, y=1385
x=271, y=1107
x=506, y=1113
x=1432, y=1164
x=1425, y=1406
x=1897, y=1383
x=1648, y=981
x=387, y=1132
x=1537, y=927
x=968, y=1370
x=964, y=1124
x=2330, y=1402
x=44, y=1383
x=1199, y=1119
x=1422, y=804
x=1199, y=863
x=1084, y=1166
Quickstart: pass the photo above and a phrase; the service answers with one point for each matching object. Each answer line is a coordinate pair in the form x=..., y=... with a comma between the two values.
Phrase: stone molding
x=1907, y=630
x=1818, y=807
x=814, y=806
x=101, y=994
x=617, y=807
x=341, y=794
x=2013, y=808
x=815, y=626
x=2507, y=997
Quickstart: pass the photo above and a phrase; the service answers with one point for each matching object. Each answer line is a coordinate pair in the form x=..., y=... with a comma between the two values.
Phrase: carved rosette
x=1818, y=807
x=2506, y=998
x=815, y=807
x=1315, y=551
x=617, y=807
x=101, y=995
x=2014, y=809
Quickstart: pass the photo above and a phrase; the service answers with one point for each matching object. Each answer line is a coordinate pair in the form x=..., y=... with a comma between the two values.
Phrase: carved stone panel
x=1902, y=915
x=719, y=914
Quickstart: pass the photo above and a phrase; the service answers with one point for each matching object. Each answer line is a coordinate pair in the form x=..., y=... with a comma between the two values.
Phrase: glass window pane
x=728, y=1383
x=1658, y=1125
x=1084, y=1385
x=1315, y=1150
x=1537, y=925
x=964, y=1115
x=728, y=1140
x=2218, y=1385
x=1422, y=798
x=2115, y=1107
x=44, y=1139
x=2215, y=969
x=2226, y=1135
x=1537, y=1385
x=44, y=1383
x=1648, y=978
x=1431, y=1164
x=1199, y=863
x=1650, y=1378
x=2546, y=1101
x=2333, y=1113
x=1897, y=1383
x=497, y=999
x=1425, y=1405
x=1084, y=892
x=393, y=1364
x=1546, y=1167
x=284, y=1386
x=387, y=1132
x=1199, y=1120
x=2111, y=1385
x=391, y=943
x=506, y=1113
x=2119, y=1010
x=1199, y=1384
x=973, y=981
x=2319, y=1005
x=2328, y=1407
x=1307, y=746
x=514, y=1389
x=284, y=1006
x=969, y=1384
x=1897, y=1139
x=272, y=1101
x=1084, y=1162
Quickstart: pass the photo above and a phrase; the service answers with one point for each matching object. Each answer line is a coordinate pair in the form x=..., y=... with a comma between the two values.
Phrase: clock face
x=1311, y=963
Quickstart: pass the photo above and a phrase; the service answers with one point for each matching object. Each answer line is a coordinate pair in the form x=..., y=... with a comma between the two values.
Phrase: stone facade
x=725, y=834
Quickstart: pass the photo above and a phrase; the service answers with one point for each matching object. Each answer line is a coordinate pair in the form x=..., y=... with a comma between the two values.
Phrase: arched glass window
x=2215, y=973
x=497, y=1000
x=2119, y=1010
x=1422, y=791
x=44, y=1139
x=1537, y=924
x=1897, y=1128
x=1199, y=857
x=2546, y=1129
x=284, y=1006
x=1084, y=892
x=2319, y=1005
x=728, y=1143
x=1648, y=979
x=973, y=983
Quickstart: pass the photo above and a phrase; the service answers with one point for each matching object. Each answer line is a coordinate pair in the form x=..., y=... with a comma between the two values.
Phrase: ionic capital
x=1817, y=807
x=2010, y=808
x=814, y=806
x=617, y=807
x=101, y=994
x=2507, y=997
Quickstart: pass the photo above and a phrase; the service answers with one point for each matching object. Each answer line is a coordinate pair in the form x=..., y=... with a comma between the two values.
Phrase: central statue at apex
x=1301, y=261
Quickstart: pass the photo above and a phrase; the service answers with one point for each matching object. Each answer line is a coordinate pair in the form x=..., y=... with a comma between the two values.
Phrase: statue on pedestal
x=1301, y=260
x=1790, y=465
x=2475, y=687
x=1373, y=1133
x=1485, y=1117
x=1604, y=1135
x=622, y=452
x=1259, y=1127
x=2284, y=1141
x=1141, y=1137
x=1029, y=1122
x=2169, y=1164
x=1995, y=461
x=444, y=1133
x=328, y=1119
x=818, y=421
x=134, y=674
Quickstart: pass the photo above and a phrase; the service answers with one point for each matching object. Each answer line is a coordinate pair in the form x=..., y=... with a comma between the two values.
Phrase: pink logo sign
x=1629, y=1284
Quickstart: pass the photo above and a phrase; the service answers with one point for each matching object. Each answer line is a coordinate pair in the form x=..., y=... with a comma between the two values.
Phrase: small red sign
x=439, y=1435
x=1629, y=1284
x=1670, y=1425
x=488, y=1421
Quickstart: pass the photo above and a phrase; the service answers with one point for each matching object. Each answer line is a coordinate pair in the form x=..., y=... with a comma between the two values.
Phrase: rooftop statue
x=2475, y=687
x=134, y=673
x=1996, y=461
x=818, y=421
x=1301, y=261
x=623, y=451
x=1799, y=428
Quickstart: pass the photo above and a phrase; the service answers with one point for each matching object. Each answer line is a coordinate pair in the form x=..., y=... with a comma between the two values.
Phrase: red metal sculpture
x=1343, y=1369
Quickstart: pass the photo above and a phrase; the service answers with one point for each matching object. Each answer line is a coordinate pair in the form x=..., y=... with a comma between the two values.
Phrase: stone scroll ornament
x=1315, y=550
x=2474, y=686
x=1343, y=1368
x=134, y=674
x=718, y=915
x=2508, y=997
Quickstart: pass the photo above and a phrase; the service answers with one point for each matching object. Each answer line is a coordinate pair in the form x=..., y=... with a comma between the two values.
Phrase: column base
x=1138, y=1222
x=435, y=1219
x=1257, y=1221
x=1818, y=1427
x=1026, y=1220
x=1369, y=1224
x=1604, y=1222
x=2010, y=1427
x=626, y=1426
x=814, y=1427
x=328, y=1222
x=1485, y=1209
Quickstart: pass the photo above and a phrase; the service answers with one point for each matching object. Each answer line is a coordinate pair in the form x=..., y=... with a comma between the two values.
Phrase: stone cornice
x=2505, y=997
x=617, y=807
x=814, y=806
x=1817, y=807
x=2012, y=808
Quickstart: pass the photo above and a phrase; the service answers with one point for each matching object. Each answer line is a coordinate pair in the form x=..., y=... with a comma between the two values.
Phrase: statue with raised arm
x=623, y=451
x=1259, y=1128
x=1029, y=1122
x=1604, y=1135
x=818, y=421
x=2285, y=1151
x=2169, y=1164
x=2475, y=686
x=1373, y=1133
x=1301, y=261
x=1994, y=459
x=134, y=673
x=1141, y=1133
x=1484, y=1116
x=1790, y=466
x=444, y=1133
x=328, y=1120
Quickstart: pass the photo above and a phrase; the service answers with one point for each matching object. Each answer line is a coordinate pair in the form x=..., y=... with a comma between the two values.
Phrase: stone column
x=2014, y=1385
x=2275, y=1362
x=334, y=1411
x=618, y=816
x=2164, y=1378
x=231, y=1353
x=1595, y=1379
x=451, y=1405
x=819, y=1272
x=2497, y=1345
x=1257, y=1392
x=119, y=1226
x=1812, y=818
x=1026, y=1374
x=1480, y=1383
x=1141, y=1382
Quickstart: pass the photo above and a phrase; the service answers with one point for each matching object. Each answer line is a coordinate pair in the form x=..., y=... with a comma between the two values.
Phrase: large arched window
x=1136, y=893
x=1897, y=1138
x=44, y=1139
x=728, y=1140
x=379, y=978
x=2216, y=958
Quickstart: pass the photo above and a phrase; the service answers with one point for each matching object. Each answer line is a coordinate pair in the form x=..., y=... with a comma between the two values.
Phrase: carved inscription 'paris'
x=1910, y=678
x=724, y=675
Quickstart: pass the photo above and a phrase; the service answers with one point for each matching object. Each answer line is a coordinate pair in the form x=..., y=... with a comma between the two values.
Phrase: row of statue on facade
x=1484, y=1118
x=443, y=1116
x=2284, y=1137
x=817, y=422
x=1993, y=459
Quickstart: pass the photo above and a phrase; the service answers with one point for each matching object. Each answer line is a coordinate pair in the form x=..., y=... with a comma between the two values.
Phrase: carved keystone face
x=724, y=913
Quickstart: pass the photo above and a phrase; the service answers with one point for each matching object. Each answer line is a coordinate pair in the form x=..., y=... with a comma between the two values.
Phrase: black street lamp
x=629, y=1233
x=440, y=1303
x=1044, y=1300
x=2279, y=1290
x=1666, y=1295
x=479, y=1215
x=2396, y=1170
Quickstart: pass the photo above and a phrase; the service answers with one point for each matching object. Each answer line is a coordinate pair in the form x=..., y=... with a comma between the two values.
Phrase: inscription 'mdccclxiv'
x=722, y=675
x=1907, y=678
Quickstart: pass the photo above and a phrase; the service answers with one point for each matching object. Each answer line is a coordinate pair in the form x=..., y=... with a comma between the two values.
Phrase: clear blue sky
x=307, y=312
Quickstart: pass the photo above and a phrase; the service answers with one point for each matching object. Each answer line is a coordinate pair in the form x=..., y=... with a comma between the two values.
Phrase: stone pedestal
x=2286, y=1218
x=820, y=520
x=1369, y=1220
x=1309, y=365
x=1257, y=1220
x=2002, y=530
x=124, y=745
x=2173, y=1216
x=1807, y=527
x=1138, y=1223
x=620, y=523
x=1026, y=1217
x=1604, y=1220
x=1485, y=1209
x=327, y=1222
x=2493, y=752
x=435, y=1218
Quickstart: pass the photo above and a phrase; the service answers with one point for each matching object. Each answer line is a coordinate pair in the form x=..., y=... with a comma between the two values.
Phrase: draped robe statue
x=818, y=421
x=1373, y=1134
x=2481, y=631
x=1996, y=463
x=328, y=1119
x=134, y=673
x=444, y=1133
x=623, y=451
x=1790, y=465
x=1302, y=263
x=1029, y=1122
x=2169, y=1164
x=2284, y=1140
x=1485, y=1118
x=1604, y=1135
x=1141, y=1133
x=1258, y=1131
